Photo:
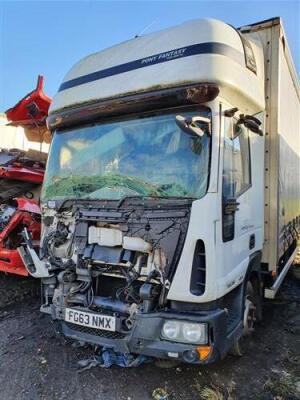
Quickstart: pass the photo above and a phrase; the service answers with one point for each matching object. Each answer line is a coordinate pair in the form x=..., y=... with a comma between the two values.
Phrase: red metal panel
x=33, y=108
x=22, y=174
x=10, y=260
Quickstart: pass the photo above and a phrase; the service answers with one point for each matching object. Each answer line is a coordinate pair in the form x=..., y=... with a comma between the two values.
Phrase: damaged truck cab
x=153, y=200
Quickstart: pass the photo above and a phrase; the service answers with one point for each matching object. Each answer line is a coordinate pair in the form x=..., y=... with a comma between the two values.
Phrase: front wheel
x=251, y=313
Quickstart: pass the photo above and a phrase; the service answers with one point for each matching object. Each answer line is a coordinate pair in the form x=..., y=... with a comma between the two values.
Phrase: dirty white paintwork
x=234, y=79
x=226, y=263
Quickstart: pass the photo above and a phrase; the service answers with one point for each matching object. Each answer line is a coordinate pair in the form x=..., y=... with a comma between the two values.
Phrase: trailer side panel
x=289, y=149
x=282, y=144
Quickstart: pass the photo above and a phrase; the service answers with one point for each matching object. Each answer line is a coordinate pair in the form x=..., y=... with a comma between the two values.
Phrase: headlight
x=185, y=332
x=171, y=329
x=192, y=332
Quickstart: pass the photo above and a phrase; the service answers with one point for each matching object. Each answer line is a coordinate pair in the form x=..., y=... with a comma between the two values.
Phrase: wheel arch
x=255, y=275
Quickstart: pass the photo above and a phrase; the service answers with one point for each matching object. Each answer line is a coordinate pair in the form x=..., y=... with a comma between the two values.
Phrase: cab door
x=236, y=204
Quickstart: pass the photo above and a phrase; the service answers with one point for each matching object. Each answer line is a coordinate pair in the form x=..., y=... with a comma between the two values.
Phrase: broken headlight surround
x=185, y=332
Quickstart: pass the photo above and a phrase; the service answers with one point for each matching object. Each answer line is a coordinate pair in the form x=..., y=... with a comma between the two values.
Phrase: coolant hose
x=112, y=305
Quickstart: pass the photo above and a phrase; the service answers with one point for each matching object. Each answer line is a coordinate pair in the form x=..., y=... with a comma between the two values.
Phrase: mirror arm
x=230, y=113
x=189, y=125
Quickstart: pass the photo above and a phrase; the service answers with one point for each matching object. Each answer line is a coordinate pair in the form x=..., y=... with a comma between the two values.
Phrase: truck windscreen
x=146, y=156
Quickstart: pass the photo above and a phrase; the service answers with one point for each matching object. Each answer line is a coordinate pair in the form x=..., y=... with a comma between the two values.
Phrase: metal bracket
x=35, y=267
x=270, y=293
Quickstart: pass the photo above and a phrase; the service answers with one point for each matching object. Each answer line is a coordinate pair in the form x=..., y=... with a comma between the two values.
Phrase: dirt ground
x=36, y=362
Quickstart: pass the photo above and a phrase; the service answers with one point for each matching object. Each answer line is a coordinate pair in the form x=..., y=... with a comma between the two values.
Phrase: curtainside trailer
x=170, y=205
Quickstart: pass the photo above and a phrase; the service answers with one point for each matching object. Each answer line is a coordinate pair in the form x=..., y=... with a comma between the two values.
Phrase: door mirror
x=194, y=126
x=250, y=122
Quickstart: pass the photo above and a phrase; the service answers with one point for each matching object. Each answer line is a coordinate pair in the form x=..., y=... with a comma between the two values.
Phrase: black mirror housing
x=251, y=123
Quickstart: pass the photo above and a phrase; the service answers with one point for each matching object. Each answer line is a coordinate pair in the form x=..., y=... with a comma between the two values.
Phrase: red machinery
x=24, y=170
x=32, y=110
x=21, y=176
x=14, y=217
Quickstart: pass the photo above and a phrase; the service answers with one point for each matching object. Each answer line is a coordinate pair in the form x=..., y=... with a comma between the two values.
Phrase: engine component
x=112, y=305
x=156, y=260
x=136, y=244
x=32, y=262
x=105, y=236
x=54, y=239
x=148, y=293
x=66, y=276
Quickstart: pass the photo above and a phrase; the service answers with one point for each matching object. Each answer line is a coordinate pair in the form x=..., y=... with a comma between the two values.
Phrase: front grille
x=95, y=332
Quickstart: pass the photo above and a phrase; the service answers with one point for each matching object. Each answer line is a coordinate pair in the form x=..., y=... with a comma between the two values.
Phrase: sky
x=48, y=37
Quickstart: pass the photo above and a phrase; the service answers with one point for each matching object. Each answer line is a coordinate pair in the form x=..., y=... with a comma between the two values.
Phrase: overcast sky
x=48, y=37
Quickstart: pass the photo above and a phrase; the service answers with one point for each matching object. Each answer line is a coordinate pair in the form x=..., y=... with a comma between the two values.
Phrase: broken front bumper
x=145, y=336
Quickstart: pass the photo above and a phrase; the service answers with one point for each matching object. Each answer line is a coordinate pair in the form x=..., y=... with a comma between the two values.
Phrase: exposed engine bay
x=112, y=256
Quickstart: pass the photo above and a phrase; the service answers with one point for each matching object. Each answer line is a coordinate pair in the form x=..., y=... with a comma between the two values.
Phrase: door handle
x=252, y=241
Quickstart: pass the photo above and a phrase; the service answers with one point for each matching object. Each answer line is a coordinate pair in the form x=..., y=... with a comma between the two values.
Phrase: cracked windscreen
x=146, y=156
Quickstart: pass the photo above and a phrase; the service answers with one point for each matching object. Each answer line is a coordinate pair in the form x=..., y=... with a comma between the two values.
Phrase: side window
x=236, y=172
x=236, y=164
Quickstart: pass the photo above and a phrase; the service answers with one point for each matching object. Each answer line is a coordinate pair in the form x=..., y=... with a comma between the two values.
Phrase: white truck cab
x=161, y=223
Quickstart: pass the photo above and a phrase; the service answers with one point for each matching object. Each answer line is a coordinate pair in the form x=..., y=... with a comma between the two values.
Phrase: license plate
x=97, y=321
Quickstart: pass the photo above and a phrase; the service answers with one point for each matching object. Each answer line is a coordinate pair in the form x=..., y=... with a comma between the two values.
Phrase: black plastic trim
x=144, y=338
x=198, y=275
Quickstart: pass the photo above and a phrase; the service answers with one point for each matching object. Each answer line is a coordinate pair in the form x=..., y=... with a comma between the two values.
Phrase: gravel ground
x=36, y=362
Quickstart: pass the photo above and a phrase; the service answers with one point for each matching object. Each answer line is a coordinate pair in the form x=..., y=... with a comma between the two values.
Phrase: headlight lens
x=171, y=330
x=185, y=332
x=192, y=332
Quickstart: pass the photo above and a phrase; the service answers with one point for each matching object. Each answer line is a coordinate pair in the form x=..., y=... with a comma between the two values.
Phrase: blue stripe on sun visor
x=195, y=49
